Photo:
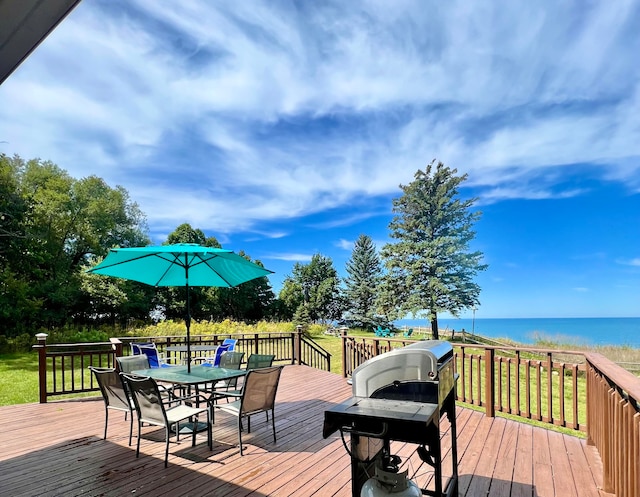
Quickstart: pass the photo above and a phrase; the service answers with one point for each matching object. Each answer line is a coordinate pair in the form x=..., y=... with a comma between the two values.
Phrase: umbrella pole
x=188, y=323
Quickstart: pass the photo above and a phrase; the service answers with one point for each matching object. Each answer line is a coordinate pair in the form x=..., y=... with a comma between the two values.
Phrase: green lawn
x=18, y=378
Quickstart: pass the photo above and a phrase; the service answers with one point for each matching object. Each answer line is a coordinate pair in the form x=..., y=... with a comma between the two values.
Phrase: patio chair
x=231, y=360
x=258, y=395
x=215, y=360
x=230, y=341
x=114, y=395
x=152, y=409
x=126, y=364
x=256, y=361
x=408, y=333
x=156, y=359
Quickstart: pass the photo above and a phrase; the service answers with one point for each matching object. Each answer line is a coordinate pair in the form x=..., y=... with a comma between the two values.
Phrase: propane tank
x=385, y=483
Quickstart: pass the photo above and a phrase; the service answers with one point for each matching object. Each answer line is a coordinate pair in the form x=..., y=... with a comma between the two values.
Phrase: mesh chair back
x=230, y=341
x=147, y=399
x=257, y=361
x=231, y=360
x=112, y=388
x=259, y=392
x=132, y=363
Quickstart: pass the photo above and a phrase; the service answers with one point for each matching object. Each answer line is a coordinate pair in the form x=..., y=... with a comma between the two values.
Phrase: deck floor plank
x=522, y=485
x=57, y=449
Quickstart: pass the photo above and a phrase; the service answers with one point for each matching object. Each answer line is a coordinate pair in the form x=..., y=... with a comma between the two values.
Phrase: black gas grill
x=400, y=395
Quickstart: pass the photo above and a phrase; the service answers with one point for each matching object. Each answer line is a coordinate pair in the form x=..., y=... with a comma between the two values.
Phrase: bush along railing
x=63, y=368
x=613, y=424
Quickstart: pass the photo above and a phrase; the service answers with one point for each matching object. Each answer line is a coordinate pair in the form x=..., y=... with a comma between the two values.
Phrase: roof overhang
x=23, y=26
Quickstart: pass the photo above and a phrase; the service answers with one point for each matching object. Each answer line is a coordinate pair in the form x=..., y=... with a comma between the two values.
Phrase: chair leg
x=139, y=436
x=194, y=424
x=210, y=421
x=106, y=421
x=130, y=428
x=273, y=423
x=167, y=429
x=240, y=432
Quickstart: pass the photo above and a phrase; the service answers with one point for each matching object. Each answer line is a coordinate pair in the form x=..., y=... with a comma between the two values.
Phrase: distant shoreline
x=576, y=332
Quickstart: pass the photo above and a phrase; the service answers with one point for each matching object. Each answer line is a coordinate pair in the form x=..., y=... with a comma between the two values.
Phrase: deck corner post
x=297, y=345
x=489, y=379
x=117, y=347
x=42, y=365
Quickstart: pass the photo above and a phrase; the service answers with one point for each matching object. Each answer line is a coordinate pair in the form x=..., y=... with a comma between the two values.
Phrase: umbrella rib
x=212, y=269
x=171, y=260
x=113, y=264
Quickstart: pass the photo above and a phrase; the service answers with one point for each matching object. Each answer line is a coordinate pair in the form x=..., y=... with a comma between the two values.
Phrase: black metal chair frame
x=115, y=395
x=258, y=395
x=151, y=409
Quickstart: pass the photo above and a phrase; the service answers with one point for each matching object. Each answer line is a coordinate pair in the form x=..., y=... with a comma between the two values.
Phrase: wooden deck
x=57, y=449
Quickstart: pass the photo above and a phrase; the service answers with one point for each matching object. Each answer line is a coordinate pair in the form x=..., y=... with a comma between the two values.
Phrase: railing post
x=489, y=382
x=297, y=348
x=42, y=365
x=343, y=337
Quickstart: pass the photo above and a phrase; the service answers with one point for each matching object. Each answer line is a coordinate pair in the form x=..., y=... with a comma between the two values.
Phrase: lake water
x=577, y=331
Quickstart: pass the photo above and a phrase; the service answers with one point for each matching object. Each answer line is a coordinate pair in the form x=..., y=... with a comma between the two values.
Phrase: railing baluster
x=563, y=421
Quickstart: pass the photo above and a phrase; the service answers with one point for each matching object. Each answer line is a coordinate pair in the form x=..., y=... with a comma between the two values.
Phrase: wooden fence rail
x=63, y=368
x=613, y=424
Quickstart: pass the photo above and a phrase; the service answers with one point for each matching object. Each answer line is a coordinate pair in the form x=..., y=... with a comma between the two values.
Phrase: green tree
x=186, y=234
x=315, y=286
x=59, y=224
x=361, y=284
x=430, y=267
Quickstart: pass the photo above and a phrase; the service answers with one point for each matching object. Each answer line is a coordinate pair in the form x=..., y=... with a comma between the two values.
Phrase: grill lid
x=420, y=361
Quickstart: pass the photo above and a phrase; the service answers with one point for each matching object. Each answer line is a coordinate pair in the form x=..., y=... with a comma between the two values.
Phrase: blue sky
x=284, y=129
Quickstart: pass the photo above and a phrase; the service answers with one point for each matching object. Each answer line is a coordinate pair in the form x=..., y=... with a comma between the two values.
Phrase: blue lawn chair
x=231, y=342
x=215, y=360
x=156, y=360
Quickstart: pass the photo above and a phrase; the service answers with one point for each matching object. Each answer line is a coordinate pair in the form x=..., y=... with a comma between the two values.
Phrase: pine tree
x=430, y=268
x=364, y=271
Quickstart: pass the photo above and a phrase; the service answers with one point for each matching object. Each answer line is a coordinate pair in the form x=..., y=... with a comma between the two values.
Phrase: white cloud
x=226, y=115
x=290, y=257
x=345, y=244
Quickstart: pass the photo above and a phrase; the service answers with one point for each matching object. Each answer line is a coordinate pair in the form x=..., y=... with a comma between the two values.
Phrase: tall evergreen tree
x=430, y=267
x=361, y=285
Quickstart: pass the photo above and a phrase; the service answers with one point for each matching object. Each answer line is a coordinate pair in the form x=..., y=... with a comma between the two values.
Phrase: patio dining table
x=199, y=375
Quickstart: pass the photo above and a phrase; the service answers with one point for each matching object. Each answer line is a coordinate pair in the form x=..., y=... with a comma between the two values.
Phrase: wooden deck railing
x=63, y=368
x=613, y=423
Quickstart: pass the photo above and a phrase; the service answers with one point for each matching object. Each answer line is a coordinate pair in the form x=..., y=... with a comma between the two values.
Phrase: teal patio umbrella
x=182, y=264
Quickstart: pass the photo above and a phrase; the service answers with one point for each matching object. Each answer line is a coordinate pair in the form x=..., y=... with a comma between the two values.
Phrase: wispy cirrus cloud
x=231, y=115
